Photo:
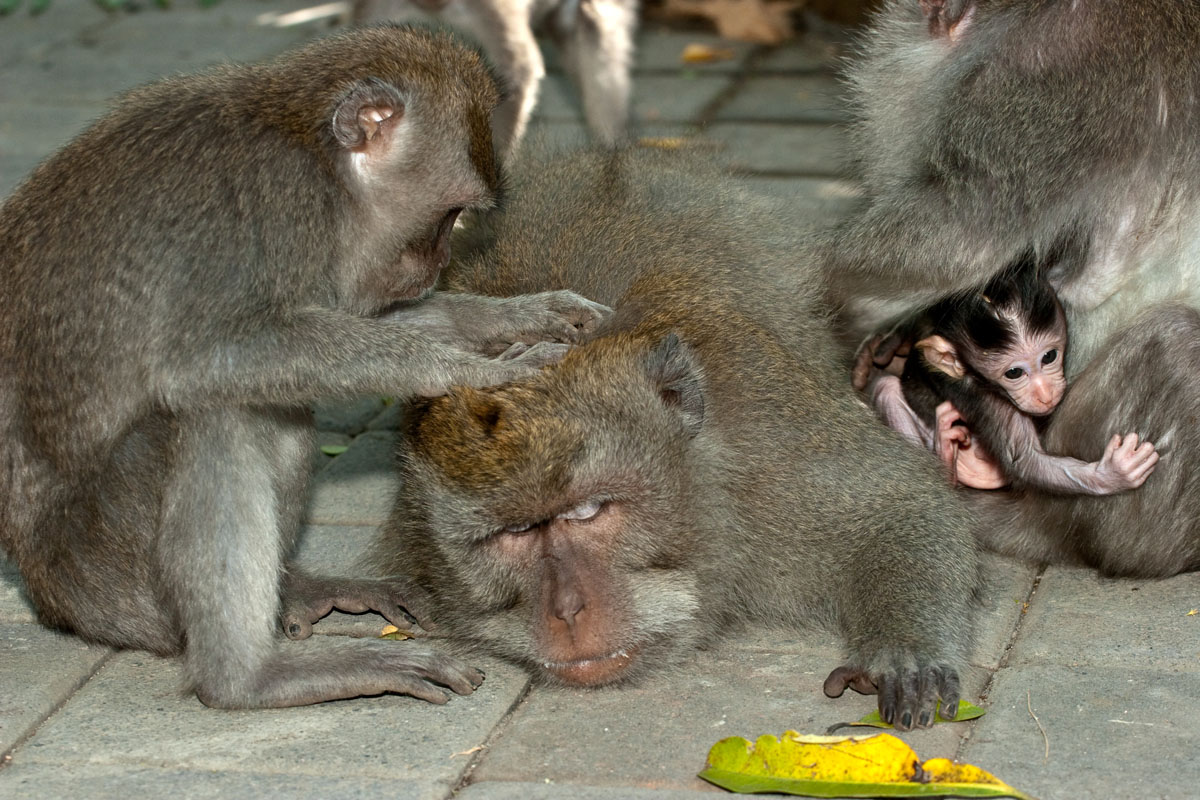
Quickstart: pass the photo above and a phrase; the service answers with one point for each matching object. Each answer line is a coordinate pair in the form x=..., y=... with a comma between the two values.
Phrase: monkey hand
x=907, y=696
x=1126, y=463
x=558, y=316
x=306, y=599
x=881, y=352
x=969, y=464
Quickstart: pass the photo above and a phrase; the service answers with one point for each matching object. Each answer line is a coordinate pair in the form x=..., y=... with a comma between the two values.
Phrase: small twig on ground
x=1029, y=705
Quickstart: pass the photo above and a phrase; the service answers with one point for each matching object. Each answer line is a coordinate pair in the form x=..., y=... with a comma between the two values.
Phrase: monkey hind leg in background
x=181, y=282
x=700, y=462
x=594, y=38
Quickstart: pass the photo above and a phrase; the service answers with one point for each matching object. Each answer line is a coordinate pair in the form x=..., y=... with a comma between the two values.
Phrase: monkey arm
x=887, y=397
x=488, y=325
x=315, y=353
x=1125, y=464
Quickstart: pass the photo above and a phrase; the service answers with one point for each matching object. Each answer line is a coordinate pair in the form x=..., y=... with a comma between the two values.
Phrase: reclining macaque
x=997, y=355
x=699, y=462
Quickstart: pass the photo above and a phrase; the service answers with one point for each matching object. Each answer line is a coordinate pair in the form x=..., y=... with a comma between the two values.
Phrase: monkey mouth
x=595, y=671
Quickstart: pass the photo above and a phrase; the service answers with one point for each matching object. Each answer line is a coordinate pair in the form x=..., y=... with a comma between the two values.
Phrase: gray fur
x=180, y=281
x=749, y=481
x=992, y=128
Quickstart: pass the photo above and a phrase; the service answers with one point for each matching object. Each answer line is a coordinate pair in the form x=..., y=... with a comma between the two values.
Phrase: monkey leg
x=598, y=53
x=307, y=598
x=220, y=550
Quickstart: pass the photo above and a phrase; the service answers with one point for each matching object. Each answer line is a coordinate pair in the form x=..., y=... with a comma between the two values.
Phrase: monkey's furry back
x=802, y=497
x=631, y=213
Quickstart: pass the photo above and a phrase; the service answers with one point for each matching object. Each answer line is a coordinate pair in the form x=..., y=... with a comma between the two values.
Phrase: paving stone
x=1113, y=732
x=321, y=459
x=134, y=714
x=1006, y=586
x=99, y=61
x=119, y=782
x=358, y=487
x=657, y=734
x=660, y=49
x=14, y=604
x=810, y=150
x=339, y=550
x=498, y=790
x=656, y=98
x=811, y=52
x=1079, y=618
x=793, y=98
x=39, y=669
x=349, y=416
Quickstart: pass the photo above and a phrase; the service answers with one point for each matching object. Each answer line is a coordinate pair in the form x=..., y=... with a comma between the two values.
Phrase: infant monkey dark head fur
x=1010, y=337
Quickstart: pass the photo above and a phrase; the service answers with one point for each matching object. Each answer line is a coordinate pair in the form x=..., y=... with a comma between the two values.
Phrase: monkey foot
x=306, y=599
x=907, y=698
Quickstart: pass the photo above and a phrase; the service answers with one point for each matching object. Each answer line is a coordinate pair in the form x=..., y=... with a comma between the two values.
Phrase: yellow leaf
x=663, y=142
x=696, y=53
x=843, y=766
x=392, y=632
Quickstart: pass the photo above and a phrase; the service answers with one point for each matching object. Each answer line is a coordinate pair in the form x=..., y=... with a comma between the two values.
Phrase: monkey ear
x=673, y=367
x=485, y=410
x=367, y=116
x=941, y=354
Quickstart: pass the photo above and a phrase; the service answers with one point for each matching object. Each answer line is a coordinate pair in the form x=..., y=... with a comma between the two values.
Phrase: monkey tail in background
x=1152, y=531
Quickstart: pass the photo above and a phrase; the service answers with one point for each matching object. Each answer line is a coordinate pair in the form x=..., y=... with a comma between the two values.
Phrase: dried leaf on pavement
x=843, y=766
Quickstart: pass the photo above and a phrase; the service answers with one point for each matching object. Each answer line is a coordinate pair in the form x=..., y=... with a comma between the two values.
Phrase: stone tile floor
x=1092, y=686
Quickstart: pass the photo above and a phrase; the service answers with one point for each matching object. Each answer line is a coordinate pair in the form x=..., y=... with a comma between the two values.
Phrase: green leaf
x=334, y=449
x=966, y=711
x=9, y=6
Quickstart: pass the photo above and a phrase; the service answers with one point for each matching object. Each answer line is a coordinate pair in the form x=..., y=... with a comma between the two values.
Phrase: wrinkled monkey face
x=554, y=517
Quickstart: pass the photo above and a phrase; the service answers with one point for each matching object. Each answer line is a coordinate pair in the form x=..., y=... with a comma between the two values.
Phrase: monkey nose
x=567, y=605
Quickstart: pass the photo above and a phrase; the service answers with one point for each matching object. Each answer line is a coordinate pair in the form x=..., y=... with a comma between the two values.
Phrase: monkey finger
x=542, y=354
x=845, y=676
x=929, y=684
x=864, y=365
x=418, y=687
x=889, y=697
x=950, y=690
x=908, y=695
x=296, y=626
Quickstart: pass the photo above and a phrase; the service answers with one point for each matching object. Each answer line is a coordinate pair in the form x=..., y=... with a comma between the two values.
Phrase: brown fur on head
x=510, y=467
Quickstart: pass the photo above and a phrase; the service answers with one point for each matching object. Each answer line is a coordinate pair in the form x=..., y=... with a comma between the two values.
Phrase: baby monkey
x=997, y=356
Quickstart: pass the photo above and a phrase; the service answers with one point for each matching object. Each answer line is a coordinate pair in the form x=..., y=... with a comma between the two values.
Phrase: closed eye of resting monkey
x=989, y=130
x=697, y=463
x=997, y=355
x=181, y=282
x=594, y=38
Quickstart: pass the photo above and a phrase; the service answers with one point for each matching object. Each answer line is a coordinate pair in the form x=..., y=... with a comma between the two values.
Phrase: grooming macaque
x=594, y=38
x=998, y=356
x=699, y=462
x=989, y=131
x=180, y=281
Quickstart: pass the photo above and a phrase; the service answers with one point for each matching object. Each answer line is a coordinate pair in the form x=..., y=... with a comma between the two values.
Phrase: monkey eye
x=521, y=528
x=1014, y=373
x=582, y=513
x=1050, y=356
